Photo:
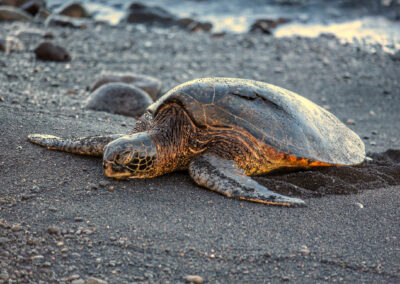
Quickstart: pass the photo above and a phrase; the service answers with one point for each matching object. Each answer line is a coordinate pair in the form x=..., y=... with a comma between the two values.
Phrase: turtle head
x=132, y=156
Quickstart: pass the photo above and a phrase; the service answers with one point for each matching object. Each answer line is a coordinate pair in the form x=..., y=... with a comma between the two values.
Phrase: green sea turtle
x=223, y=130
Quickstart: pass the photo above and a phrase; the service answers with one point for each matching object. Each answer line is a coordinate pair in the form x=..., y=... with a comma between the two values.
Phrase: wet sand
x=61, y=219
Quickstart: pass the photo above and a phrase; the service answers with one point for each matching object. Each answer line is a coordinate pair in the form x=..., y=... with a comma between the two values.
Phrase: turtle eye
x=122, y=158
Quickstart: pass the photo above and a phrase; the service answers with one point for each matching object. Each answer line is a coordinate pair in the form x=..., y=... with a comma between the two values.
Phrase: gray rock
x=194, y=279
x=3, y=241
x=38, y=259
x=53, y=230
x=149, y=84
x=119, y=98
x=93, y=280
x=50, y=52
x=73, y=10
x=139, y=13
x=9, y=13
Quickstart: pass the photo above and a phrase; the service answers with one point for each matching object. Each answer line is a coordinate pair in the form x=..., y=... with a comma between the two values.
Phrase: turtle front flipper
x=93, y=146
x=225, y=177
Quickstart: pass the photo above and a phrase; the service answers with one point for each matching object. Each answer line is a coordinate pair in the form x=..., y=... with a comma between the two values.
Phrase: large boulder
x=119, y=98
x=139, y=13
x=149, y=84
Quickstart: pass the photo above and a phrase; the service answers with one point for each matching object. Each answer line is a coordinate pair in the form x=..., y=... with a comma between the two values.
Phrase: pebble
x=49, y=52
x=104, y=183
x=53, y=230
x=194, y=279
x=35, y=188
x=119, y=98
x=78, y=219
x=38, y=259
x=92, y=186
x=3, y=241
x=359, y=205
x=93, y=280
x=351, y=121
x=4, y=275
x=78, y=281
x=149, y=84
x=16, y=228
x=304, y=250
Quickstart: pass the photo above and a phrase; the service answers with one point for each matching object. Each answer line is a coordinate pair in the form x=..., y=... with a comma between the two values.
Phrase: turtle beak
x=113, y=170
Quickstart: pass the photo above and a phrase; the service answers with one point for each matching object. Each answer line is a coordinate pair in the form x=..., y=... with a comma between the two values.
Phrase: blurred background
x=371, y=23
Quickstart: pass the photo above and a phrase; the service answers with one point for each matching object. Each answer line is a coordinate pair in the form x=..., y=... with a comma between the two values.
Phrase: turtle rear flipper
x=93, y=146
x=225, y=177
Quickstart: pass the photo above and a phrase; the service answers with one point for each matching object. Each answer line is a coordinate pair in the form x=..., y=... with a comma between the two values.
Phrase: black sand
x=165, y=228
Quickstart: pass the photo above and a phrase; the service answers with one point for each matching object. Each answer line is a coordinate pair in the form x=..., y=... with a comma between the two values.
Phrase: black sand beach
x=62, y=220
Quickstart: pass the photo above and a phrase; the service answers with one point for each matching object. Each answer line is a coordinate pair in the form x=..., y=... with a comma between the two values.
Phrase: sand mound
x=382, y=171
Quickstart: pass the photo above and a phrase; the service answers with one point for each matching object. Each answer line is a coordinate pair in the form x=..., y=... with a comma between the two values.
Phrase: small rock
x=35, y=189
x=53, y=230
x=266, y=25
x=104, y=183
x=78, y=281
x=46, y=264
x=372, y=113
x=3, y=241
x=119, y=98
x=9, y=13
x=359, y=205
x=374, y=132
x=78, y=219
x=149, y=84
x=52, y=209
x=351, y=121
x=193, y=279
x=92, y=186
x=50, y=52
x=73, y=10
x=139, y=13
x=304, y=250
x=372, y=143
x=92, y=280
x=38, y=259
x=346, y=75
x=33, y=7
x=4, y=275
x=193, y=25
x=16, y=228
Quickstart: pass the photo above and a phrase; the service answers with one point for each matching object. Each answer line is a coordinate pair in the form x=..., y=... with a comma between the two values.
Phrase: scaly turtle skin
x=223, y=130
